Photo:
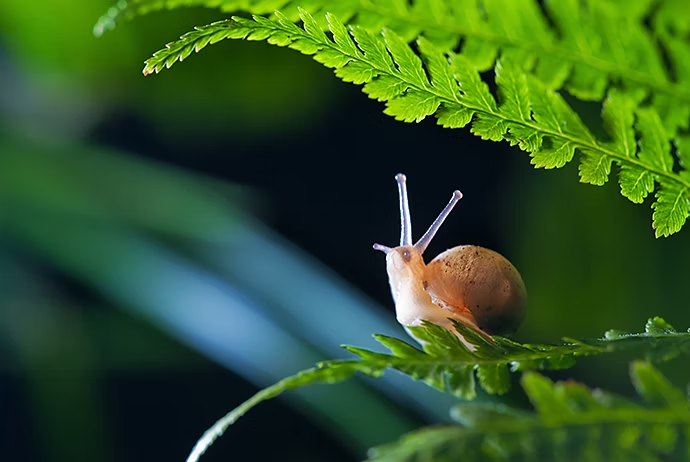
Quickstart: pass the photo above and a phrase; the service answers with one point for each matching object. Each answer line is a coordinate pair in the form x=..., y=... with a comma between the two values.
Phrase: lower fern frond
x=448, y=365
x=571, y=422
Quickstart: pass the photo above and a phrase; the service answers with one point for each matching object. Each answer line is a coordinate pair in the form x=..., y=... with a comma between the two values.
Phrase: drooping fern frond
x=415, y=85
x=585, y=45
x=448, y=365
x=571, y=423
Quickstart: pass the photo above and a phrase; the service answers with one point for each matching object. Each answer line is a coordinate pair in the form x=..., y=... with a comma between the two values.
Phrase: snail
x=470, y=284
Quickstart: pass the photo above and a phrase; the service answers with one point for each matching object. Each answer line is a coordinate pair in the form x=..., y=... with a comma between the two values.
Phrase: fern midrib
x=667, y=87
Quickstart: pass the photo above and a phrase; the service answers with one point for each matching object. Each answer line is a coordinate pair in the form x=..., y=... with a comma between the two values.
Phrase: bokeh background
x=171, y=244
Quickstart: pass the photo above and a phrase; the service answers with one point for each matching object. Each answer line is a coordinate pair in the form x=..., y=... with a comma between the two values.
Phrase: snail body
x=470, y=284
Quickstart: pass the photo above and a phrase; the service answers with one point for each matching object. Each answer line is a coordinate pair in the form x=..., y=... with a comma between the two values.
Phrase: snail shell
x=481, y=281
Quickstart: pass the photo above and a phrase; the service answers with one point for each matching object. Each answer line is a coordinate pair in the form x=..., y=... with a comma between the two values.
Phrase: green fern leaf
x=514, y=94
x=475, y=91
x=413, y=107
x=494, y=378
x=432, y=82
x=618, y=121
x=571, y=422
x=636, y=182
x=447, y=364
x=556, y=155
x=671, y=209
x=655, y=389
x=489, y=127
x=655, y=148
x=454, y=117
x=595, y=168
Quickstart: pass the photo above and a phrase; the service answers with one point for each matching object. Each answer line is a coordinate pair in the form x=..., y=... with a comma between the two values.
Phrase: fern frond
x=431, y=82
x=585, y=45
x=571, y=422
x=448, y=365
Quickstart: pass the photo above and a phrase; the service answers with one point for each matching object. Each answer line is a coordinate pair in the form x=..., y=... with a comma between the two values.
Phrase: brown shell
x=481, y=281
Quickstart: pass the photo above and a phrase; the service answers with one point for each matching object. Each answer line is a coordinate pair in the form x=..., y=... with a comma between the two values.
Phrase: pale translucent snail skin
x=472, y=285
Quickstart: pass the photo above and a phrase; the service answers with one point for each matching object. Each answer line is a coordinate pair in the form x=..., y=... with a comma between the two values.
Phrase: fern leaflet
x=446, y=364
x=571, y=422
x=447, y=85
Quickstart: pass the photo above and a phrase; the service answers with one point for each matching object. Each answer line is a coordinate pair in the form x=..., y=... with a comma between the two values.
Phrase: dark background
x=109, y=179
